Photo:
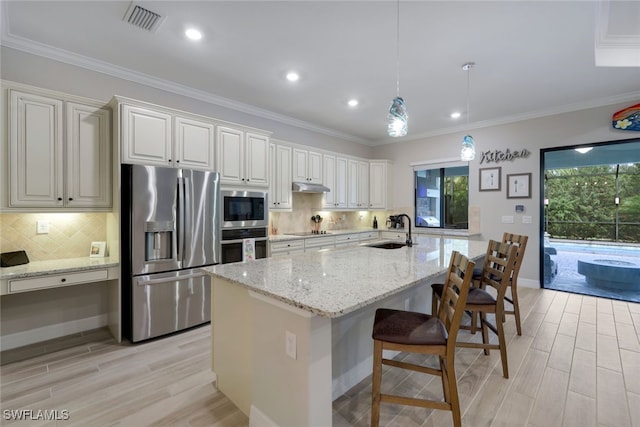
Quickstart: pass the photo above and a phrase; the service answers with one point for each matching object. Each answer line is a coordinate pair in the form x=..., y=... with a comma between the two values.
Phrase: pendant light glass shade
x=397, y=118
x=468, y=151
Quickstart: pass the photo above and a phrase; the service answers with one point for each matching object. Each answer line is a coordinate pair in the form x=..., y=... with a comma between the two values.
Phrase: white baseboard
x=32, y=336
x=257, y=418
x=528, y=283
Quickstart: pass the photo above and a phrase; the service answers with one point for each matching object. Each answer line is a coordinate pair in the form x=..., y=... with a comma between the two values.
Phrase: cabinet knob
x=63, y=280
x=70, y=198
x=169, y=160
x=177, y=161
x=59, y=199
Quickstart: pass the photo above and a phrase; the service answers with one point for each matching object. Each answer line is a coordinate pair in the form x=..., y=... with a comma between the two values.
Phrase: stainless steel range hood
x=306, y=187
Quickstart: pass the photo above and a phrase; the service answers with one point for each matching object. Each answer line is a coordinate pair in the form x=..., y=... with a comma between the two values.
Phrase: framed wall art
x=519, y=186
x=98, y=249
x=490, y=179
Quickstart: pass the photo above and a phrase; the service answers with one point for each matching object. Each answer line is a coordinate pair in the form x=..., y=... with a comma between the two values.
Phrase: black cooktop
x=309, y=233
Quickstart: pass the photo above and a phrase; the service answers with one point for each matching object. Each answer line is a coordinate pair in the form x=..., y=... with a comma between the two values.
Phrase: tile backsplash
x=70, y=234
x=305, y=206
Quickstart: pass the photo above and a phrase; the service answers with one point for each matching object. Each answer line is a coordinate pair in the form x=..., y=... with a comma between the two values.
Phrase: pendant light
x=397, y=117
x=468, y=151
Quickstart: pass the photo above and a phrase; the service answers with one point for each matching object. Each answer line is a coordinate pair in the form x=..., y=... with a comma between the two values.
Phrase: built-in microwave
x=242, y=209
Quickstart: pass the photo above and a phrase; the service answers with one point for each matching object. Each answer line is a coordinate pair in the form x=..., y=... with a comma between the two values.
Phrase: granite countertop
x=335, y=282
x=54, y=266
x=415, y=232
x=285, y=236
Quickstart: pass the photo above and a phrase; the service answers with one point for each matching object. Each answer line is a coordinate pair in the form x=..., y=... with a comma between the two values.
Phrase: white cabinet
x=59, y=153
x=307, y=166
x=145, y=136
x=286, y=247
x=343, y=240
x=358, y=184
x=243, y=157
x=335, y=177
x=280, y=195
x=88, y=167
x=193, y=143
x=380, y=184
x=148, y=138
x=314, y=244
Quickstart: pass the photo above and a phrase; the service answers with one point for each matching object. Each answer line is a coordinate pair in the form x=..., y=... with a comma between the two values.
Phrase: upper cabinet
x=307, y=166
x=358, y=184
x=379, y=184
x=335, y=177
x=155, y=136
x=243, y=157
x=59, y=152
x=280, y=194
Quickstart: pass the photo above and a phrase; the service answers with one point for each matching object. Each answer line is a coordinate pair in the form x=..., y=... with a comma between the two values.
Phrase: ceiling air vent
x=143, y=18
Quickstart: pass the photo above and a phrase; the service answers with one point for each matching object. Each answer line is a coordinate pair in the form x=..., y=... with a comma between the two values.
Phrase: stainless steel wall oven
x=245, y=215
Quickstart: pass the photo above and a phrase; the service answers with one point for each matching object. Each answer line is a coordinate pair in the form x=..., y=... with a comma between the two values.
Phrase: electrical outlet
x=42, y=227
x=290, y=345
x=507, y=219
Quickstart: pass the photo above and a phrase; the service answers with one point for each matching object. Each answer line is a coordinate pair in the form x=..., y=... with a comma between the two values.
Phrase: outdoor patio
x=568, y=279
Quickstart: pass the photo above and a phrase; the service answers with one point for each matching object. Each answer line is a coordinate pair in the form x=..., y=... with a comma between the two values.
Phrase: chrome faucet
x=408, y=242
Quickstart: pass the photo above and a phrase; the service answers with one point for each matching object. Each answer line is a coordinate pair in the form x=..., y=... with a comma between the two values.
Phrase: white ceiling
x=532, y=58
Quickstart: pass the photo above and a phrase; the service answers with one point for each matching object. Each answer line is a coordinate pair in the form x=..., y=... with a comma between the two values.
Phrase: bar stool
x=413, y=332
x=521, y=243
x=497, y=268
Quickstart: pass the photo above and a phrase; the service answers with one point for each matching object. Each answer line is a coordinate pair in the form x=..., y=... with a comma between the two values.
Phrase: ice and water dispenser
x=159, y=240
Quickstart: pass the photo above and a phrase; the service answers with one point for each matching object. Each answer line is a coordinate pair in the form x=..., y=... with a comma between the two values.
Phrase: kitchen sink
x=387, y=245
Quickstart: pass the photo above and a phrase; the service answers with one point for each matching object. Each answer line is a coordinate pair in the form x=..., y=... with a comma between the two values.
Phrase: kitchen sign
x=497, y=156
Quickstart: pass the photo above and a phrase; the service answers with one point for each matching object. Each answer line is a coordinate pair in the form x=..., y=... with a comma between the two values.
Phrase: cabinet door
x=283, y=178
x=230, y=144
x=193, y=144
x=363, y=185
x=314, y=167
x=352, y=184
x=88, y=166
x=35, y=151
x=146, y=136
x=329, y=180
x=300, y=163
x=341, y=182
x=378, y=185
x=257, y=160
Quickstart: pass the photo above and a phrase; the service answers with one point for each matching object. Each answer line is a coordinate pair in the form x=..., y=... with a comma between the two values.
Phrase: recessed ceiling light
x=352, y=103
x=455, y=115
x=193, y=34
x=292, y=76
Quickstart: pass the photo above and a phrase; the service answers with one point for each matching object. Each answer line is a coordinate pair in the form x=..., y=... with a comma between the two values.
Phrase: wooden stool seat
x=407, y=327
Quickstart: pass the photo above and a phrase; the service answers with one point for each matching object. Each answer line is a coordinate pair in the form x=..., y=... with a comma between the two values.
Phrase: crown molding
x=67, y=57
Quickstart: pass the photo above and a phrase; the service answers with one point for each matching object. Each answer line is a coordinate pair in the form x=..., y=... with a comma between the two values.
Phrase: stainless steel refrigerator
x=170, y=227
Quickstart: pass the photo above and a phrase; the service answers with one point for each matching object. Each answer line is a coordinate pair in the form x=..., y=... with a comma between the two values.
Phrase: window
x=442, y=197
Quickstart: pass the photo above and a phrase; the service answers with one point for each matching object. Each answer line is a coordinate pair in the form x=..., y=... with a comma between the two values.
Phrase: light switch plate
x=42, y=227
x=507, y=219
x=526, y=219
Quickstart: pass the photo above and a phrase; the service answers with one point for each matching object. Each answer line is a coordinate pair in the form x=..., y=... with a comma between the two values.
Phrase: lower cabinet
x=287, y=247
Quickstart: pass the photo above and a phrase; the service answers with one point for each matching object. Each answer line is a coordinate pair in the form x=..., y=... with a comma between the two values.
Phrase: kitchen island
x=290, y=334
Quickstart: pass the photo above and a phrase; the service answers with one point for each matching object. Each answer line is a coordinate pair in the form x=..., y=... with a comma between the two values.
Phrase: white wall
x=579, y=127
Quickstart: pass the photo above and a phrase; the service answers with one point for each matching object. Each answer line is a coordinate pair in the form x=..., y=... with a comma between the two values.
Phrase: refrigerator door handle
x=165, y=280
x=181, y=218
x=187, y=226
